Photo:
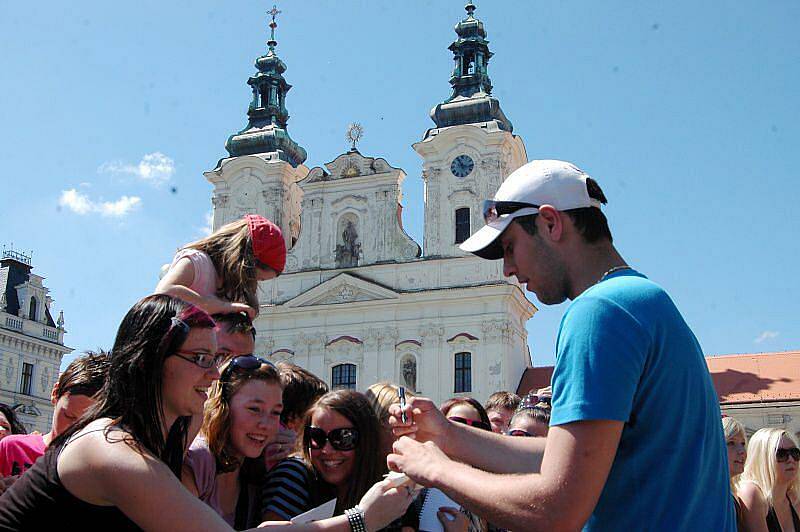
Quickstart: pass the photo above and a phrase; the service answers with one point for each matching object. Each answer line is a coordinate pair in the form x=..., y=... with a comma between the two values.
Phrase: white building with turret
x=360, y=301
x=31, y=343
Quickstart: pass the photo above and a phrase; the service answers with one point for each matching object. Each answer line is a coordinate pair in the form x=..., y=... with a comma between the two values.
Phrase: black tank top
x=772, y=519
x=39, y=501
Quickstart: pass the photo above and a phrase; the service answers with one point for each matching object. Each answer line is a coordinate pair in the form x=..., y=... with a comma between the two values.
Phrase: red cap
x=269, y=247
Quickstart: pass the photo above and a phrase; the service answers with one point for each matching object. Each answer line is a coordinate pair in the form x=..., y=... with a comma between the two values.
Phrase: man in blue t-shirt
x=635, y=440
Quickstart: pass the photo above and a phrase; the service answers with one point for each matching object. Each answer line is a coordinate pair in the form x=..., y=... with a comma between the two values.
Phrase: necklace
x=613, y=270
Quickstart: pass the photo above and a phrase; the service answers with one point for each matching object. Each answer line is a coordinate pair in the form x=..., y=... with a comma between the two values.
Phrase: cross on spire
x=272, y=25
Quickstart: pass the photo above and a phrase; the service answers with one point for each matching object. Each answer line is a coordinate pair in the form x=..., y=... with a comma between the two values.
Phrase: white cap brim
x=485, y=242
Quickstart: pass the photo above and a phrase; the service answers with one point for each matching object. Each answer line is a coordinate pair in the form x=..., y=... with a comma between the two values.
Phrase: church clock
x=462, y=166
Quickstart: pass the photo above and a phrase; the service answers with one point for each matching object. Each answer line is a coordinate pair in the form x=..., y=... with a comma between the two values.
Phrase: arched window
x=343, y=376
x=32, y=312
x=463, y=373
x=462, y=224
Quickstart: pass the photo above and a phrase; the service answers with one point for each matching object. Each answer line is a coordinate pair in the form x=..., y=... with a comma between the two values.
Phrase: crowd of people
x=182, y=426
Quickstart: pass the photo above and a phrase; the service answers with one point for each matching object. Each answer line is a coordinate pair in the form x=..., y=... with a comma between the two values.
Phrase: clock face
x=462, y=166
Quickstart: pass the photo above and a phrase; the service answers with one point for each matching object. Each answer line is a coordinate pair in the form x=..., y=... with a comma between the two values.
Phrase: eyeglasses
x=493, y=209
x=531, y=400
x=204, y=360
x=344, y=439
x=782, y=455
x=520, y=432
x=246, y=363
x=471, y=423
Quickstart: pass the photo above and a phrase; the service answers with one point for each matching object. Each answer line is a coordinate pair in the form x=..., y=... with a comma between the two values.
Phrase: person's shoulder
x=752, y=496
x=102, y=446
x=292, y=468
x=14, y=440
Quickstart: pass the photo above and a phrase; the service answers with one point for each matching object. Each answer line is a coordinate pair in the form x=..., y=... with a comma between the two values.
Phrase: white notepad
x=323, y=511
x=435, y=499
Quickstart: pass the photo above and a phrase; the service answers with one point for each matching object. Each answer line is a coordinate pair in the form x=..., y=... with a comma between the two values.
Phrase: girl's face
x=530, y=425
x=786, y=471
x=334, y=466
x=737, y=454
x=265, y=274
x=5, y=426
x=184, y=383
x=255, y=416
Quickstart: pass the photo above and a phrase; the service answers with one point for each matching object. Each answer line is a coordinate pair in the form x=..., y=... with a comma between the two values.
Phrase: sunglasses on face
x=782, y=455
x=344, y=439
x=243, y=363
x=531, y=400
x=204, y=360
x=493, y=209
x=520, y=432
x=471, y=423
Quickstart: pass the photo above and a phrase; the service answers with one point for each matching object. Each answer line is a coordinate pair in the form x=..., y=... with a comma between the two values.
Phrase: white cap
x=559, y=184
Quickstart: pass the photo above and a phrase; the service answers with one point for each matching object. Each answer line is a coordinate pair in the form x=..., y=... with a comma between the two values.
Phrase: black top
x=772, y=519
x=39, y=501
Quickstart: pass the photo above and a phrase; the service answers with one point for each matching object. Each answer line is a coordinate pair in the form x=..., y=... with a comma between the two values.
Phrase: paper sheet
x=435, y=499
x=323, y=511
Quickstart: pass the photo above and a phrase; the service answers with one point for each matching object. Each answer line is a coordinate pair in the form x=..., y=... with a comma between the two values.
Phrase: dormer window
x=32, y=311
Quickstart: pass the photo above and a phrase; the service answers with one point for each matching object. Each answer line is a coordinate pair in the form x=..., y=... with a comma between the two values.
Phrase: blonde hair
x=761, y=464
x=217, y=411
x=381, y=396
x=732, y=428
x=230, y=248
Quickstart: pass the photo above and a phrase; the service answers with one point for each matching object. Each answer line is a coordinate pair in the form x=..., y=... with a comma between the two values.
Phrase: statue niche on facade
x=409, y=371
x=348, y=251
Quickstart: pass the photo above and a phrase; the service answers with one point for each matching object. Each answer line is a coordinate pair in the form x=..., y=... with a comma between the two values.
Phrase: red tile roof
x=748, y=378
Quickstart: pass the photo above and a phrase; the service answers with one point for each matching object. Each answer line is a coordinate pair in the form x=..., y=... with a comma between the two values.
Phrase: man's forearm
x=494, y=452
x=516, y=502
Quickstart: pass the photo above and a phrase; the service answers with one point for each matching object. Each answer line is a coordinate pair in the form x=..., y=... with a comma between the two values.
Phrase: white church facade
x=360, y=301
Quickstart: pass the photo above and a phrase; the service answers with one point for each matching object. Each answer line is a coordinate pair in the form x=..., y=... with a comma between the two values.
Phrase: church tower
x=470, y=151
x=265, y=164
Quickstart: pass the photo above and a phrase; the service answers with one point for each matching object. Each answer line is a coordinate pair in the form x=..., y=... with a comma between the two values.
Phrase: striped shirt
x=287, y=489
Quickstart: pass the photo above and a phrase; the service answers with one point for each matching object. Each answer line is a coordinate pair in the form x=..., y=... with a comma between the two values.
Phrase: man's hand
x=280, y=447
x=424, y=422
x=422, y=462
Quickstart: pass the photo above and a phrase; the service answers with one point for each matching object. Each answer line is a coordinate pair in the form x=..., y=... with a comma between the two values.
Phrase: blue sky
x=685, y=112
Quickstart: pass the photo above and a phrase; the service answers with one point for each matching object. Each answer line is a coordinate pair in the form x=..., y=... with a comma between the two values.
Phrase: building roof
x=746, y=378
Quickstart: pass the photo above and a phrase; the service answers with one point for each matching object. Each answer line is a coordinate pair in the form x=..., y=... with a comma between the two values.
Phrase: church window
x=27, y=379
x=462, y=224
x=32, y=312
x=343, y=376
x=463, y=373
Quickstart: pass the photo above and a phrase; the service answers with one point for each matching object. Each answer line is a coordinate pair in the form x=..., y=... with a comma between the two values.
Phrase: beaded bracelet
x=355, y=516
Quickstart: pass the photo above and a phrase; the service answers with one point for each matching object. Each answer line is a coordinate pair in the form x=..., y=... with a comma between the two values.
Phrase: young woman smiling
x=341, y=459
x=224, y=465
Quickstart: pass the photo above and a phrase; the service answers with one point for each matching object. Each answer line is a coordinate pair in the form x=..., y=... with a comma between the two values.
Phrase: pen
x=402, y=394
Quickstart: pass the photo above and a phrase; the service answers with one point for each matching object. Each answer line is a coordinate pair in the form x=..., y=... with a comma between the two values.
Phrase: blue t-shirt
x=625, y=353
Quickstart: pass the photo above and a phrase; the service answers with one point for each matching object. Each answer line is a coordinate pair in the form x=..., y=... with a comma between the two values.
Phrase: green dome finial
x=272, y=43
x=471, y=101
x=266, y=128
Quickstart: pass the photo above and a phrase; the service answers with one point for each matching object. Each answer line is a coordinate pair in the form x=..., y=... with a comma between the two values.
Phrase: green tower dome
x=267, y=115
x=471, y=101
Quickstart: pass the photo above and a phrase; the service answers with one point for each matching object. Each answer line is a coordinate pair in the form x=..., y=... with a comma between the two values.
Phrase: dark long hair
x=16, y=426
x=153, y=329
x=367, y=467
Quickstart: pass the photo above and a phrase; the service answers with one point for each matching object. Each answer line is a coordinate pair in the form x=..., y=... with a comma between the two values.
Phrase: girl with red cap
x=220, y=273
